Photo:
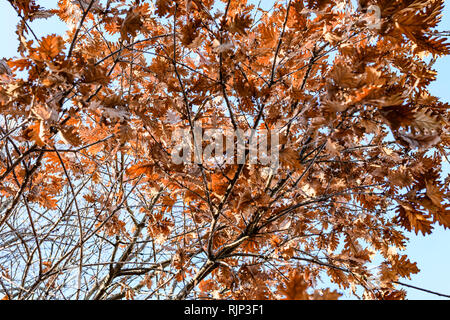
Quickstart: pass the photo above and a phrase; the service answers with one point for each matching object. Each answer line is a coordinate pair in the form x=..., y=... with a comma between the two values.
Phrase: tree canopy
x=93, y=205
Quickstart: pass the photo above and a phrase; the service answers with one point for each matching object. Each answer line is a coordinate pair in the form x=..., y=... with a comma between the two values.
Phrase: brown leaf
x=240, y=22
x=50, y=47
x=295, y=288
x=70, y=135
x=131, y=25
x=412, y=219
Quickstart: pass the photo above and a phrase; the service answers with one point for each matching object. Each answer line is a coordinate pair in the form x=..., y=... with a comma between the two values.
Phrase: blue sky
x=432, y=253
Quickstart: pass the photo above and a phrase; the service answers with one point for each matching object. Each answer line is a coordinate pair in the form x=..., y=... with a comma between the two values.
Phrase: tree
x=94, y=205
